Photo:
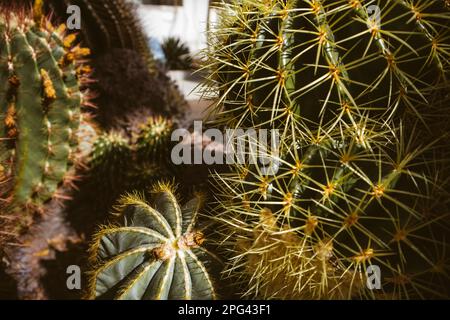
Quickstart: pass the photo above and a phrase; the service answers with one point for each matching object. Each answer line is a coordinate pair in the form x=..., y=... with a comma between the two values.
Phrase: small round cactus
x=153, y=252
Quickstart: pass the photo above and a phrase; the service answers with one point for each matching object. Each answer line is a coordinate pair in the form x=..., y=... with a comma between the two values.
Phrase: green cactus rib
x=4, y=78
x=57, y=119
x=153, y=254
x=120, y=164
x=153, y=141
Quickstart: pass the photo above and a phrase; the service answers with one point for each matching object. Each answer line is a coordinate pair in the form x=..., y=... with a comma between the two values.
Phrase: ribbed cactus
x=153, y=253
x=45, y=139
x=117, y=160
x=324, y=61
x=41, y=72
x=177, y=54
x=357, y=179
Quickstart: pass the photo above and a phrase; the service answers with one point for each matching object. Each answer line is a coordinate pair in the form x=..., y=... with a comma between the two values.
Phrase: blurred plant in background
x=178, y=56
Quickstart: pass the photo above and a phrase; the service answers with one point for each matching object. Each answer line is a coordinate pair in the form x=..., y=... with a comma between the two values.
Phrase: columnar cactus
x=355, y=182
x=153, y=253
x=41, y=72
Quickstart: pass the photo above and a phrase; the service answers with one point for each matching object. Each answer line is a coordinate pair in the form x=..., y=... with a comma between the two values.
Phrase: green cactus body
x=121, y=164
x=357, y=183
x=177, y=54
x=110, y=157
x=41, y=105
x=153, y=254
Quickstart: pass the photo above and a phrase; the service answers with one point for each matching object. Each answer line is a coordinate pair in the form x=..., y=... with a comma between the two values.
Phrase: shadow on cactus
x=154, y=252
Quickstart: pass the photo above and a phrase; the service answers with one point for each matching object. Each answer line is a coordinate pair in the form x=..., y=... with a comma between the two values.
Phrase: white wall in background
x=187, y=22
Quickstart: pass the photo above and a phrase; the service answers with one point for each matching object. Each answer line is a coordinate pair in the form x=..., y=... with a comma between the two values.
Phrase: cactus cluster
x=42, y=72
x=357, y=91
x=154, y=252
x=359, y=177
x=47, y=140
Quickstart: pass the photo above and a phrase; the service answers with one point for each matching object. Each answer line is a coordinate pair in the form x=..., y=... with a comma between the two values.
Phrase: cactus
x=42, y=72
x=45, y=140
x=117, y=161
x=111, y=154
x=276, y=62
x=117, y=99
x=356, y=181
x=122, y=161
x=106, y=24
x=119, y=45
x=154, y=253
x=153, y=140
